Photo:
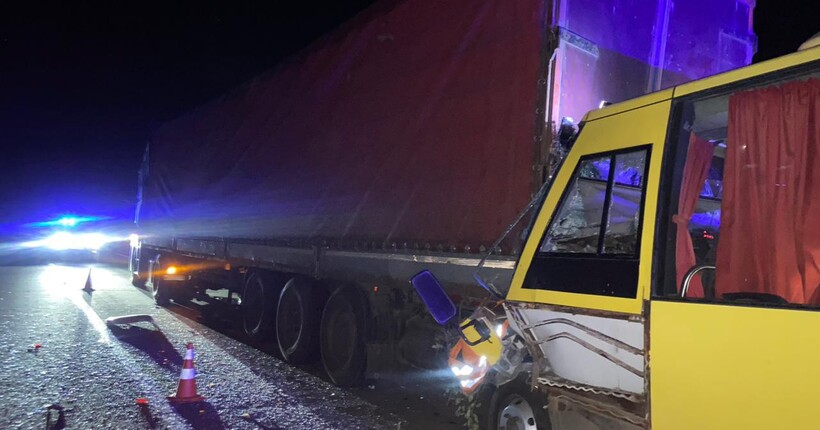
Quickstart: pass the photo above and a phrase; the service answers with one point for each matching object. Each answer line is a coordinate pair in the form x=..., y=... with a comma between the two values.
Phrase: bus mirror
x=434, y=297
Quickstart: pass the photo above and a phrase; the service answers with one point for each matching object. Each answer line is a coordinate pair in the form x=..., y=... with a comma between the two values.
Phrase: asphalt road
x=55, y=349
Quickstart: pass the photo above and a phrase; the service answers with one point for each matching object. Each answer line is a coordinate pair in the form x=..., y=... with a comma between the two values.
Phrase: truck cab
x=671, y=276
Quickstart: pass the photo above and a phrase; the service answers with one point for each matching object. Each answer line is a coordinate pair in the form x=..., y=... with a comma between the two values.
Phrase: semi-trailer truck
x=407, y=139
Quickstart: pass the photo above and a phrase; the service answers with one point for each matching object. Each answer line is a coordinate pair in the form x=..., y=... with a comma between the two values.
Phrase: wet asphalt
x=62, y=366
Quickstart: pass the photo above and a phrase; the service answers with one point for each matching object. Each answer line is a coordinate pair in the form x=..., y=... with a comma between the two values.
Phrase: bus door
x=579, y=290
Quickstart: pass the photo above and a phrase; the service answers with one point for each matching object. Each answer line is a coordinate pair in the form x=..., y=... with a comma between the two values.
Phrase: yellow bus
x=671, y=276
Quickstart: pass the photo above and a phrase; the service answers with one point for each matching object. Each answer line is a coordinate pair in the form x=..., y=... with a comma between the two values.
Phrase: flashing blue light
x=68, y=221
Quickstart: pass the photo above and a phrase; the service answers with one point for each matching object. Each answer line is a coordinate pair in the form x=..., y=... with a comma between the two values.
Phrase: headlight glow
x=463, y=370
x=93, y=241
x=60, y=241
x=134, y=239
x=63, y=240
x=468, y=383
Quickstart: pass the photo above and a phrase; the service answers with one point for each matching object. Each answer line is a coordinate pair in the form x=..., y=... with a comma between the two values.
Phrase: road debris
x=58, y=423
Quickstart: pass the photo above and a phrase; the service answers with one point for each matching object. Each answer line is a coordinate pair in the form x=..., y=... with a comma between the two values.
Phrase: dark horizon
x=82, y=88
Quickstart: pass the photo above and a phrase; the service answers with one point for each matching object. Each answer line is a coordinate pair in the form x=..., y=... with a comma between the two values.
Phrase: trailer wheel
x=342, y=334
x=515, y=406
x=257, y=305
x=297, y=320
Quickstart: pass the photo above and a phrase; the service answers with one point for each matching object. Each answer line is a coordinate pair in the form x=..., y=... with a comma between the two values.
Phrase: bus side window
x=742, y=212
x=577, y=228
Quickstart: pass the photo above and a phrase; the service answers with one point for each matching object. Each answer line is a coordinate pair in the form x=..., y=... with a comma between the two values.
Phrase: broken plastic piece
x=142, y=401
x=129, y=319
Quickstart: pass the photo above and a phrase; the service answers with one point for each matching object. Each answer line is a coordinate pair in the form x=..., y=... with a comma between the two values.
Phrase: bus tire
x=297, y=321
x=343, y=345
x=514, y=405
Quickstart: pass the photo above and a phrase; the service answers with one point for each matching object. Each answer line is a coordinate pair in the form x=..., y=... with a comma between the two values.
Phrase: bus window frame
x=597, y=259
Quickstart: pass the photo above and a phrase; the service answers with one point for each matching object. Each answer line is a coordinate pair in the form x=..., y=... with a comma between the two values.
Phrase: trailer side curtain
x=770, y=232
x=410, y=127
x=698, y=159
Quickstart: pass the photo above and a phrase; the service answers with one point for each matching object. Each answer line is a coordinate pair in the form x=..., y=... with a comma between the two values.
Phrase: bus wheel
x=297, y=321
x=257, y=305
x=342, y=334
x=515, y=406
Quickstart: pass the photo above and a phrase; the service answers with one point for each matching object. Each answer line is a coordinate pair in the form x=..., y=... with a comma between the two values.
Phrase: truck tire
x=137, y=281
x=164, y=291
x=133, y=266
x=297, y=320
x=161, y=293
x=258, y=305
x=342, y=334
x=515, y=406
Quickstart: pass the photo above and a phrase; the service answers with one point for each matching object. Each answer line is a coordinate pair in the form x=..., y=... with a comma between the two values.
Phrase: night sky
x=83, y=84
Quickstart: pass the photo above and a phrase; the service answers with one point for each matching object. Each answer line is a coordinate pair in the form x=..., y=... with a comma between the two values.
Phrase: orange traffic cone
x=88, y=288
x=186, y=391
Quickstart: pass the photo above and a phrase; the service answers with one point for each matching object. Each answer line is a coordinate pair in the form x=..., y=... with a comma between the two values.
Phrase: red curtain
x=698, y=160
x=770, y=225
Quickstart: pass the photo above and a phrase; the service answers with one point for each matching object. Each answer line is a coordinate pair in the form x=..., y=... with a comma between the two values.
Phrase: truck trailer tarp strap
x=413, y=122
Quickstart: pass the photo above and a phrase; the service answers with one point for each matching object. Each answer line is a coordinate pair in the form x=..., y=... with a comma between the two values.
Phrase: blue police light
x=68, y=221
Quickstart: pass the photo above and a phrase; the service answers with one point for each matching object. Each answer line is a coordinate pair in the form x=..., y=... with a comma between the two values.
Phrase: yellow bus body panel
x=643, y=123
x=733, y=367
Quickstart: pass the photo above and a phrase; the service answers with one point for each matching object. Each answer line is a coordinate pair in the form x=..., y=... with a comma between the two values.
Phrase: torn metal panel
x=569, y=410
